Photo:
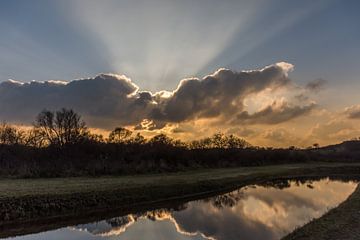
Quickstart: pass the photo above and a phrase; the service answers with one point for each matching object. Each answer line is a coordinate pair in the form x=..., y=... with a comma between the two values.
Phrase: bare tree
x=62, y=127
x=138, y=139
x=219, y=140
x=233, y=141
x=161, y=139
x=99, y=138
x=10, y=135
x=119, y=135
x=34, y=138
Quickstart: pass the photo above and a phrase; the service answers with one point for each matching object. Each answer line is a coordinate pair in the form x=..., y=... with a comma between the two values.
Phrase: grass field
x=58, y=186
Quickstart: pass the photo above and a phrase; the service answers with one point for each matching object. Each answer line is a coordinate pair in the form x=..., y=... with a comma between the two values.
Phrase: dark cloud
x=353, y=112
x=274, y=114
x=108, y=100
x=316, y=85
x=104, y=100
x=219, y=94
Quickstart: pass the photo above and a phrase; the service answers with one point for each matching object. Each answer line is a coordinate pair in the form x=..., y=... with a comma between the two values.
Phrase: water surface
x=261, y=212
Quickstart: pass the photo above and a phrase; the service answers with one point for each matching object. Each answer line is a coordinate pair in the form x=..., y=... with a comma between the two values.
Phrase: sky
x=274, y=72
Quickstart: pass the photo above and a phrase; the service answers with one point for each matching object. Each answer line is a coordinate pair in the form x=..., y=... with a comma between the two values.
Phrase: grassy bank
x=341, y=223
x=24, y=202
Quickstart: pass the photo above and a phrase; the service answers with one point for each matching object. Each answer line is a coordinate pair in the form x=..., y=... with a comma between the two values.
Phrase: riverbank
x=341, y=223
x=31, y=205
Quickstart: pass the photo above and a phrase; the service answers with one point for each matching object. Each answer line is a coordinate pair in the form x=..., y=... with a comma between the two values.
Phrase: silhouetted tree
x=219, y=140
x=202, y=143
x=161, y=139
x=233, y=141
x=34, y=138
x=179, y=143
x=62, y=127
x=138, y=139
x=119, y=135
x=97, y=138
x=10, y=135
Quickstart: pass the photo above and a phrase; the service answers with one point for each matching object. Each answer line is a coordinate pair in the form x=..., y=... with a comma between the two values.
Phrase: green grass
x=58, y=186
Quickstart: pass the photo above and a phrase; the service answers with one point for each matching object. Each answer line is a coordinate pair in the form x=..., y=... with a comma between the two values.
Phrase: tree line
x=60, y=144
x=66, y=127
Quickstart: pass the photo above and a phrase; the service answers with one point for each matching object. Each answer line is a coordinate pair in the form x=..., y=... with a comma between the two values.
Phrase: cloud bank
x=109, y=100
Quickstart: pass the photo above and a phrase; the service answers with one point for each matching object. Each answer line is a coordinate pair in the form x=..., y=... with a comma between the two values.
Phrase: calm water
x=252, y=212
